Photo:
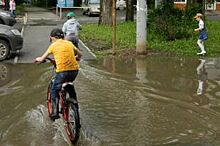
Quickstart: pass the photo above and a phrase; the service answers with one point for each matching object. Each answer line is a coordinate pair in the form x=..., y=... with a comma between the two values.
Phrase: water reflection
x=22, y=122
x=3, y=73
x=142, y=101
x=141, y=70
x=155, y=100
x=202, y=76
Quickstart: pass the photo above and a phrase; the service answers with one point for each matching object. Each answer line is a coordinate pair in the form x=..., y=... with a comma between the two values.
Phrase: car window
x=94, y=1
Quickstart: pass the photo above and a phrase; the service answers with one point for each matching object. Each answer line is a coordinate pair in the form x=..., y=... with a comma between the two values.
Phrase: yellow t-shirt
x=63, y=52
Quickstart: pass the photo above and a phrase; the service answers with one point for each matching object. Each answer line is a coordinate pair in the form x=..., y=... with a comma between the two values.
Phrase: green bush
x=173, y=23
x=20, y=9
x=192, y=10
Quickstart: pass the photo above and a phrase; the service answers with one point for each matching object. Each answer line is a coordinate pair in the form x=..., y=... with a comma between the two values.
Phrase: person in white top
x=12, y=7
x=202, y=33
x=71, y=29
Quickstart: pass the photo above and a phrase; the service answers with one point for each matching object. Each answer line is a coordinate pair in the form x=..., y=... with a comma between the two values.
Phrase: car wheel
x=3, y=72
x=4, y=50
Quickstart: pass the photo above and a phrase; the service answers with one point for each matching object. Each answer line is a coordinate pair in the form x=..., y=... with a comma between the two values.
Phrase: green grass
x=99, y=39
x=20, y=9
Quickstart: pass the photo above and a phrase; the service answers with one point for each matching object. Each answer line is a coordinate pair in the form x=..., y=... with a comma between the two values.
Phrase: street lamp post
x=141, y=26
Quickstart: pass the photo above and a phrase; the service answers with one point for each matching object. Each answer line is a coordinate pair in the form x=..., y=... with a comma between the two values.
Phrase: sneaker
x=199, y=91
x=201, y=53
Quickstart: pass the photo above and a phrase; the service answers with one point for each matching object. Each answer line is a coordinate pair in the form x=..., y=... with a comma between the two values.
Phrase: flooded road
x=151, y=101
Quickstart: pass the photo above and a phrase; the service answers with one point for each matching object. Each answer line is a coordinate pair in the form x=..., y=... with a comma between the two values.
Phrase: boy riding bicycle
x=66, y=56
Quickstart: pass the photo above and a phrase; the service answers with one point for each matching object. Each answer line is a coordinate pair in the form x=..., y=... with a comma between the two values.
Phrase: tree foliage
x=172, y=23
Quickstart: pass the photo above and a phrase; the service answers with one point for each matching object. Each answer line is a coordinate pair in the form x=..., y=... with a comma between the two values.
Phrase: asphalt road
x=37, y=29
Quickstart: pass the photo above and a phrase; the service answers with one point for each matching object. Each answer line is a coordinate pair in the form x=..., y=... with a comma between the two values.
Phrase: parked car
x=11, y=41
x=6, y=18
x=120, y=4
x=92, y=7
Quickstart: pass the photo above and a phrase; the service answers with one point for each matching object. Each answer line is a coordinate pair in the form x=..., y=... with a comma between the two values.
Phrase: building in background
x=69, y=3
x=212, y=5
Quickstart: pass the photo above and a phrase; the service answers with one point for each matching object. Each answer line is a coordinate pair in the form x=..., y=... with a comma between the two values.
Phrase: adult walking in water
x=202, y=33
x=71, y=29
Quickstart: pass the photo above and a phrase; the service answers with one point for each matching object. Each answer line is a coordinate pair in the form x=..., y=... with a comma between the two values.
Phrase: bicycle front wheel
x=49, y=101
x=72, y=119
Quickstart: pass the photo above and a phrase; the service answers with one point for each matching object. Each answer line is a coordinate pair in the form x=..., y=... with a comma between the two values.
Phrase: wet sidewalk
x=40, y=13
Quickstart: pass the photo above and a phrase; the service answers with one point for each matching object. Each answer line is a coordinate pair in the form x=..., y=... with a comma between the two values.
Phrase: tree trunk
x=187, y=4
x=130, y=10
x=106, y=12
x=77, y=3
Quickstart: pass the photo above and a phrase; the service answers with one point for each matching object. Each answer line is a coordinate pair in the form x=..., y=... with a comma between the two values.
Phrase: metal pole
x=141, y=26
x=113, y=26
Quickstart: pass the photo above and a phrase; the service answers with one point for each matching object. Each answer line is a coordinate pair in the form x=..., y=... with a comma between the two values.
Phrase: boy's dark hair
x=57, y=33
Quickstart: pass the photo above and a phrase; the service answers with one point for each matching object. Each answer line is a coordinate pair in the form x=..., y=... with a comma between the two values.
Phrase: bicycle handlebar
x=51, y=60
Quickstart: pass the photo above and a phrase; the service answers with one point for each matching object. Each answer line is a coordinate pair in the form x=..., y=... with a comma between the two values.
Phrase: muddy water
x=153, y=101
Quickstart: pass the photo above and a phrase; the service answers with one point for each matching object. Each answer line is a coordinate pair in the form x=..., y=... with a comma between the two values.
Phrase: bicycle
x=68, y=107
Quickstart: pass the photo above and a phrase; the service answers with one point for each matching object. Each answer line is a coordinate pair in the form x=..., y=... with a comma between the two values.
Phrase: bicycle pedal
x=54, y=117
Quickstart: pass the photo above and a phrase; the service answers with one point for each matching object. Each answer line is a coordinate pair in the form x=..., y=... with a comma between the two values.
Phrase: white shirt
x=201, y=24
x=12, y=5
x=71, y=26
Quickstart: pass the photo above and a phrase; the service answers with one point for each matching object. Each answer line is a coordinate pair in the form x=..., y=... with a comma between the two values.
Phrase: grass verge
x=20, y=10
x=99, y=39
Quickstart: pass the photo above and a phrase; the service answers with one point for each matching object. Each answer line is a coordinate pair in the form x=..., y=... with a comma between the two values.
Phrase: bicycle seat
x=69, y=88
x=67, y=84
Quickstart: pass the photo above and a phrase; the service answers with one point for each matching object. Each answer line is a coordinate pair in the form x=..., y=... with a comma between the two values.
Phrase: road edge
x=22, y=33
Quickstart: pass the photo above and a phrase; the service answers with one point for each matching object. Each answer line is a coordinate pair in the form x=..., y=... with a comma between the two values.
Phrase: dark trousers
x=58, y=80
x=13, y=13
x=74, y=39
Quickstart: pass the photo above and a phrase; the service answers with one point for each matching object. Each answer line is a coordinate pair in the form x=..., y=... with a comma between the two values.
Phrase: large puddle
x=151, y=101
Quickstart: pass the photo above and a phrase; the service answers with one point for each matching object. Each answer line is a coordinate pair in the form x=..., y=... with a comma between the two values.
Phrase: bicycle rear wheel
x=72, y=120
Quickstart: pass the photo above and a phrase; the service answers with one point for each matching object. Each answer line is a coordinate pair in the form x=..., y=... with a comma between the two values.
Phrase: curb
x=93, y=56
x=22, y=33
